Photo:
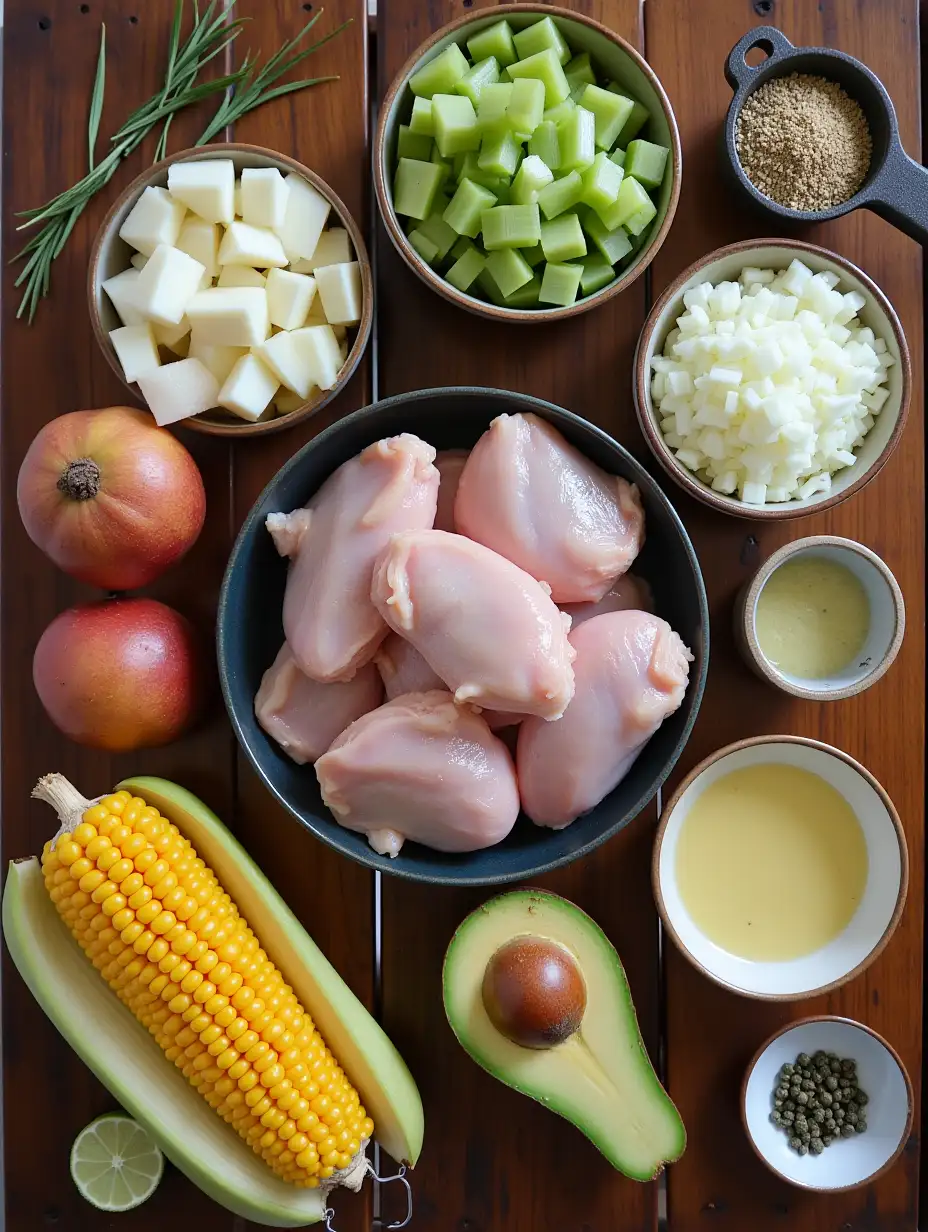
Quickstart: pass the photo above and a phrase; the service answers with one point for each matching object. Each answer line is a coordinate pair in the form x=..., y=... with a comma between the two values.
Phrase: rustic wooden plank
x=712, y=1035
x=49, y=369
x=493, y=1160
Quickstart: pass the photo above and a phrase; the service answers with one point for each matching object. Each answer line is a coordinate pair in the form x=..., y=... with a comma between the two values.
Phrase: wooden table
x=493, y=1161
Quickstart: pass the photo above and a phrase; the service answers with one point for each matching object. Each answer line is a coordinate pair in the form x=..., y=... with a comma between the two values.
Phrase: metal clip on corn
x=382, y=1180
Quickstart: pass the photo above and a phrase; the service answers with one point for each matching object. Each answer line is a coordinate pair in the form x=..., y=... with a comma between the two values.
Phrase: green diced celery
x=562, y=239
x=540, y=36
x=646, y=162
x=558, y=114
x=461, y=245
x=444, y=167
x=601, y=182
x=618, y=157
x=415, y=186
x=511, y=226
x=555, y=198
x=634, y=124
x=534, y=256
x=499, y=155
x=509, y=269
x=613, y=244
x=546, y=67
x=426, y=248
x=559, y=284
x=487, y=284
x=526, y=296
x=577, y=137
x=632, y=198
x=545, y=144
x=475, y=80
x=597, y=273
x=526, y=106
x=467, y=205
x=470, y=170
x=413, y=145
x=530, y=179
x=494, y=40
x=455, y=123
x=579, y=71
x=421, y=119
x=439, y=232
x=611, y=112
x=504, y=76
x=466, y=268
x=440, y=75
x=641, y=218
x=491, y=110
x=503, y=193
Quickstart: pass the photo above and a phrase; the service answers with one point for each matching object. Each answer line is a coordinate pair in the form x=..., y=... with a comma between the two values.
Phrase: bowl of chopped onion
x=772, y=379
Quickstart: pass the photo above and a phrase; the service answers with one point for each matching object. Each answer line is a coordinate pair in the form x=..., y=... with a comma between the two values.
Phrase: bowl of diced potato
x=230, y=289
x=527, y=163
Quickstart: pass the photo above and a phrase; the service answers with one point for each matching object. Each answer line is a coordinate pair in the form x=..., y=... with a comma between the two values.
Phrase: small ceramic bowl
x=618, y=59
x=110, y=255
x=876, y=917
x=725, y=264
x=887, y=620
x=849, y=1162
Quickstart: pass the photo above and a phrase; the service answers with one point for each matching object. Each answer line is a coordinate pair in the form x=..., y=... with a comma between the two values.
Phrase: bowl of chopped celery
x=772, y=379
x=527, y=163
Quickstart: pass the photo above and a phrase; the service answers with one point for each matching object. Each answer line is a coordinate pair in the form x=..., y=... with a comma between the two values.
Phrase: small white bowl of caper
x=827, y=1104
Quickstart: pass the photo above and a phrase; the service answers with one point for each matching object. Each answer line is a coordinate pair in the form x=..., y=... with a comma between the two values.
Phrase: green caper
x=827, y=1140
x=862, y=1097
x=803, y=1148
x=831, y=1083
x=851, y=1118
x=802, y=1097
x=776, y=1118
x=788, y=1117
x=815, y=1131
x=781, y=1092
x=803, y=1060
x=816, y=1146
x=847, y=1131
x=826, y=1099
x=790, y=1105
x=861, y=1125
x=819, y=1116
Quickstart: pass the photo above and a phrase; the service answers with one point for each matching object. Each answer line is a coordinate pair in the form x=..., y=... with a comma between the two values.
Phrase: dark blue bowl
x=249, y=631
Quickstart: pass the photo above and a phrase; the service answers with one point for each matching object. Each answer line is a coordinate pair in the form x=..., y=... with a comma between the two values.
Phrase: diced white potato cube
x=289, y=361
x=237, y=198
x=138, y=260
x=243, y=244
x=319, y=343
x=200, y=240
x=175, y=337
x=306, y=215
x=240, y=276
x=334, y=248
x=167, y=284
x=249, y=388
x=754, y=493
x=136, y=350
x=154, y=219
x=219, y=359
x=178, y=391
x=230, y=316
x=123, y=293
x=289, y=297
x=285, y=401
x=206, y=186
x=340, y=291
x=264, y=196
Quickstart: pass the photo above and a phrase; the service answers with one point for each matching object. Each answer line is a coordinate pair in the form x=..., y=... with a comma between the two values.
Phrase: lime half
x=115, y=1163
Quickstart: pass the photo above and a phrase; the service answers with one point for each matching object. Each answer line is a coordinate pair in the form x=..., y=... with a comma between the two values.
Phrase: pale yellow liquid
x=812, y=617
x=771, y=862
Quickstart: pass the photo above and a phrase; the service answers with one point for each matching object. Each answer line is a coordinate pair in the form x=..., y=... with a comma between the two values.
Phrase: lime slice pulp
x=115, y=1163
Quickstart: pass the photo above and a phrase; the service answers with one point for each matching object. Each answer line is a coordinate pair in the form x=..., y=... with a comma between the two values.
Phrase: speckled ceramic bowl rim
x=901, y=894
x=910, y=1099
x=106, y=234
x=641, y=386
x=698, y=683
x=747, y=613
x=425, y=272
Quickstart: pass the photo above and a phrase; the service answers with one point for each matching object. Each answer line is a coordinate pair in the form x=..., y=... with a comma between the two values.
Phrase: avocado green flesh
x=600, y=1078
x=355, y=1038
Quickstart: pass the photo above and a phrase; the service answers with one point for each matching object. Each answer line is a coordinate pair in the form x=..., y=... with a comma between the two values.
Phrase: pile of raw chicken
x=478, y=593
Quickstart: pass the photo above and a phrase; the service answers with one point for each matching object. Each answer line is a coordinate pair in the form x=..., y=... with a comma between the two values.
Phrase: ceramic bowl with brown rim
x=847, y=1163
x=111, y=255
x=876, y=915
x=725, y=265
x=614, y=59
x=868, y=662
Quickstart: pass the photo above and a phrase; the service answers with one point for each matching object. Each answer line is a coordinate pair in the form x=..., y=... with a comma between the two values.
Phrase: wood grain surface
x=493, y=1161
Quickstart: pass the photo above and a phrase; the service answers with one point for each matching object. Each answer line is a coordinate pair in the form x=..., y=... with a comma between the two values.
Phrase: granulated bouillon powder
x=803, y=142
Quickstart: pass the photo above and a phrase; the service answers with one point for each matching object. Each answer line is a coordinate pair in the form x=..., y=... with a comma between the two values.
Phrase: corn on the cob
x=159, y=928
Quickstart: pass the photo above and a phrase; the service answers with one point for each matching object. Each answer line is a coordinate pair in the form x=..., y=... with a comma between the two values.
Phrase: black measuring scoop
x=896, y=187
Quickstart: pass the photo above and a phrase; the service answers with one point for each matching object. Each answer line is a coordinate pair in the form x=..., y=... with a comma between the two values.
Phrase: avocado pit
x=533, y=992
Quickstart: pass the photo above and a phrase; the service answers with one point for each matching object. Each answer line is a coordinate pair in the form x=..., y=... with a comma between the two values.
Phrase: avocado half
x=130, y=1064
x=600, y=1077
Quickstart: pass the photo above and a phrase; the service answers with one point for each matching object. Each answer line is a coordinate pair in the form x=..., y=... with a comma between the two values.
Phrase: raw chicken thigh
x=629, y=592
x=489, y=630
x=529, y=495
x=632, y=672
x=329, y=621
x=304, y=716
x=403, y=669
x=450, y=463
x=423, y=769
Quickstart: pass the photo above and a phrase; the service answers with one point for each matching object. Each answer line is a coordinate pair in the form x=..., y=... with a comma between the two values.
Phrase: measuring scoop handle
x=769, y=39
x=900, y=195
